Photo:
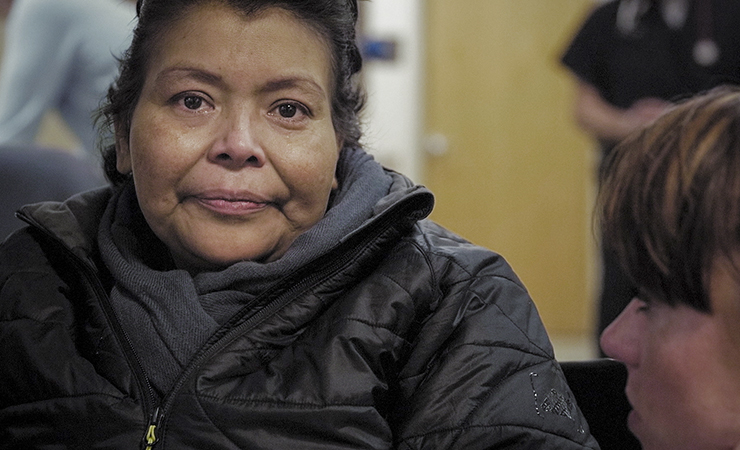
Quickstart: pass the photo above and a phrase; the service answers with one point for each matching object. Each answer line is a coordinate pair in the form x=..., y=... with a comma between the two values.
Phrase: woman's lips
x=230, y=204
x=231, y=207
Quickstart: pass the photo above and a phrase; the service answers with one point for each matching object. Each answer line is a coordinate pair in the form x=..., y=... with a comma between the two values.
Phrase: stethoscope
x=705, y=52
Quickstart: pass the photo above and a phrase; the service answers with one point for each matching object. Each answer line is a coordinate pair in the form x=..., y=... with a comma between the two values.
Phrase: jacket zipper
x=150, y=439
x=149, y=399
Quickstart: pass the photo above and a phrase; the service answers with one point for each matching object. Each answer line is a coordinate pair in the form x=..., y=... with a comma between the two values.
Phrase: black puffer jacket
x=404, y=336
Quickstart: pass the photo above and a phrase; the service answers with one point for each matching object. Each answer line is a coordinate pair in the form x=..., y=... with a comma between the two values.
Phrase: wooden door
x=517, y=176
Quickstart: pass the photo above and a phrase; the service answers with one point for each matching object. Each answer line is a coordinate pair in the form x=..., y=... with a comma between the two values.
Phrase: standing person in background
x=631, y=59
x=59, y=54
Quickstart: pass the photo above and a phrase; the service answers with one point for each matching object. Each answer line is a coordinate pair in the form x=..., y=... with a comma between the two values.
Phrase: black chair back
x=30, y=174
x=598, y=386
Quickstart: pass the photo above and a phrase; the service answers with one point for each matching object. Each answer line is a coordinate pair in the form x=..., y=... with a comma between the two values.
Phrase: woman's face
x=683, y=367
x=231, y=144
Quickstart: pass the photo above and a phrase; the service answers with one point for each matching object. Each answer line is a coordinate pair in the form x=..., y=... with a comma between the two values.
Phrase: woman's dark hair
x=335, y=20
x=670, y=202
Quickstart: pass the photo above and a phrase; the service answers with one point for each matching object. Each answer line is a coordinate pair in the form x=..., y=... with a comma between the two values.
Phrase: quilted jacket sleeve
x=483, y=374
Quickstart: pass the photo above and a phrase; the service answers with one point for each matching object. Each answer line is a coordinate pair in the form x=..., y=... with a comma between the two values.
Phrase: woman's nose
x=238, y=145
x=621, y=339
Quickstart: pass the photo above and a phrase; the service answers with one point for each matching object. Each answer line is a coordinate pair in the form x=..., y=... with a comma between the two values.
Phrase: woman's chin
x=214, y=260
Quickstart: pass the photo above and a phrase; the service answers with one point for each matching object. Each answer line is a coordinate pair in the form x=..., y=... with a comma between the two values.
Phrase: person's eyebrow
x=302, y=83
x=190, y=72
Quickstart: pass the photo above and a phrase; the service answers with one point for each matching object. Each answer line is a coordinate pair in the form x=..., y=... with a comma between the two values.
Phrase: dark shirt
x=655, y=60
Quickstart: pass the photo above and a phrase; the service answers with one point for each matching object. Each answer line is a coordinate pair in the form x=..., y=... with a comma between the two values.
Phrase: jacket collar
x=74, y=222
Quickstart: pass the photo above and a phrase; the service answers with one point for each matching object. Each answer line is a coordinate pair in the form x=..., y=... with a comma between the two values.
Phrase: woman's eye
x=643, y=306
x=287, y=110
x=291, y=111
x=192, y=102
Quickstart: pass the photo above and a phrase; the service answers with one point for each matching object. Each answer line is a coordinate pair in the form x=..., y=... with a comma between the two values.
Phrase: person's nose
x=238, y=144
x=621, y=339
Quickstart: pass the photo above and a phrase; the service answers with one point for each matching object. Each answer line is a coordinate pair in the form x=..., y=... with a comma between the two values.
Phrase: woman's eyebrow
x=192, y=73
x=305, y=84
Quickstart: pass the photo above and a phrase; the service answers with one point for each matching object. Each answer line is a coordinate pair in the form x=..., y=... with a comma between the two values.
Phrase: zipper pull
x=150, y=438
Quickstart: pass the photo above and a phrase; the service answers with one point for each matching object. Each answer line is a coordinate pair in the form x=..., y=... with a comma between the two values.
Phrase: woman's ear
x=123, y=151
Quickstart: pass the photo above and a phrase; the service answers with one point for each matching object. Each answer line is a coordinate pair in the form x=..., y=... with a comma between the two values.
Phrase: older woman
x=671, y=205
x=252, y=278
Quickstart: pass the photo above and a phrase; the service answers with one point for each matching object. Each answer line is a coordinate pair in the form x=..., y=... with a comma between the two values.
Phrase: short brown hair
x=670, y=200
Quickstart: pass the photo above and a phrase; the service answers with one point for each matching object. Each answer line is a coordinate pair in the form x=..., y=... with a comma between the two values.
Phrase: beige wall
x=517, y=176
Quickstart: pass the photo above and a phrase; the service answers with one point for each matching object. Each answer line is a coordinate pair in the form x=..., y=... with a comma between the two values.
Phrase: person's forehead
x=184, y=49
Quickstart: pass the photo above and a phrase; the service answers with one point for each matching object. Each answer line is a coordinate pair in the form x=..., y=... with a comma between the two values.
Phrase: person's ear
x=123, y=150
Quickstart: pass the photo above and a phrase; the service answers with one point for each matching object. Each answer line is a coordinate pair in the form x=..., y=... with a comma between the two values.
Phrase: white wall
x=394, y=113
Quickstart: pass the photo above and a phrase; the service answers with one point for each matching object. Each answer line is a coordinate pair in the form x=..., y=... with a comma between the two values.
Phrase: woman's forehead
x=273, y=36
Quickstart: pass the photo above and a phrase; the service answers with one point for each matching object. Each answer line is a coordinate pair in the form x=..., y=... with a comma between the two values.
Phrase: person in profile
x=670, y=207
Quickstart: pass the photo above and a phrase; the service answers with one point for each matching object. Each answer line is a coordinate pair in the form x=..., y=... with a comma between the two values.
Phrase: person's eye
x=291, y=111
x=191, y=101
x=288, y=110
x=642, y=306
